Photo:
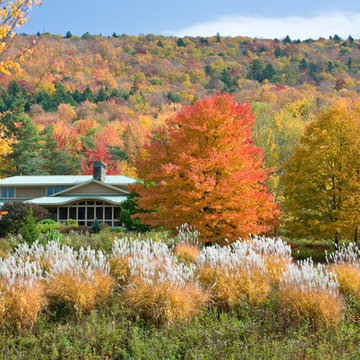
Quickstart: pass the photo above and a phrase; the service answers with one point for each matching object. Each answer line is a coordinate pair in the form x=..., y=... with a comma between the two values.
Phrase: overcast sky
x=264, y=19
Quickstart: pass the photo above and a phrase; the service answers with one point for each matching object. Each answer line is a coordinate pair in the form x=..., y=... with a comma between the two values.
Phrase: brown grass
x=163, y=302
x=78, y=291
x=348, y=276
x=275, y=266
x=322, y=307
x=20, y=304
x=120, y=269
x=229, y=287
x=187, y=252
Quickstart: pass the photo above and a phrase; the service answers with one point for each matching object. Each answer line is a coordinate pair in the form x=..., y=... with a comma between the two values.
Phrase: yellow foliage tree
x=13, y=13
x=321, y=183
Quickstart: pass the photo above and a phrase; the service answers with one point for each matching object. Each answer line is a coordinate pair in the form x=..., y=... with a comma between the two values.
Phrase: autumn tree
x=13, y=13
x=202, y=169
x=322, y=178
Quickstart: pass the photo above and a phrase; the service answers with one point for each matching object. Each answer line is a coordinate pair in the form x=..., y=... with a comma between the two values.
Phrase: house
x=78, y=197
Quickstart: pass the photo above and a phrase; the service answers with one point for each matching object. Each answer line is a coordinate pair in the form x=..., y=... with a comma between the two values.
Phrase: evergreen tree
x=95, y=227
x=78, y=96
x=128, y=213
x=268, y=72
x=28, y=230
x=60, y=96
x=287, y=40
x=44, y=100
x=68, y=35
x=181, y=42
x=55, y=161
x=88, y=95
x=86, y=36
x=218, y=38
x=257, y=67
x=277, y=52
x=303, y=64
x=330, y=67
x=26, y=152
x=102, y=95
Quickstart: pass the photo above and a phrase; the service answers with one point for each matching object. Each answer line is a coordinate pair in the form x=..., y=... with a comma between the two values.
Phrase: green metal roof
x=63, y=200
x=69, y=180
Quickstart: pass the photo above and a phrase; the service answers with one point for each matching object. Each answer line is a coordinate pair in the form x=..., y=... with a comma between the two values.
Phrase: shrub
x=95, y=227
x=47, y=225
x=16, y=213
x=28, y=230
x=73, y=228
x=308, y=291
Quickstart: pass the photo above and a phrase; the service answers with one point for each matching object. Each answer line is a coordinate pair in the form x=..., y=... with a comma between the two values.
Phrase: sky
x=263, y=19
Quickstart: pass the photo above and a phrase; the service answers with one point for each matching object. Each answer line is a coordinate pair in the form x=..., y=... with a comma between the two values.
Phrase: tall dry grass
x=159, y=288
x=233, y=274
x=311, y=292
x=21, y=292
x=345, y=263
x=187, y=252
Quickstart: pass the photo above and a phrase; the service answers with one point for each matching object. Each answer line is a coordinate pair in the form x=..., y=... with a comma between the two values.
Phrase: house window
x=85, y=212
x=54, y=189
x=8, y=193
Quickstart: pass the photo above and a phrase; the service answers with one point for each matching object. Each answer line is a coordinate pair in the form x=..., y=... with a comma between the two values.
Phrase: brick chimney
x=99, y=171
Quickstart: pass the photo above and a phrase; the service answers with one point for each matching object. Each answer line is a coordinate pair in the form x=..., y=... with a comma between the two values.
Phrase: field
x=127, y=296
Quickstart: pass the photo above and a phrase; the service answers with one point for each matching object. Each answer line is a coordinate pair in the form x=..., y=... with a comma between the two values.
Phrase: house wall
x=93, y=189
x=30, y=192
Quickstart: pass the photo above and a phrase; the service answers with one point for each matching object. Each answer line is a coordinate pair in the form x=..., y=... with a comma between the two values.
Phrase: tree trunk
x=356, y=235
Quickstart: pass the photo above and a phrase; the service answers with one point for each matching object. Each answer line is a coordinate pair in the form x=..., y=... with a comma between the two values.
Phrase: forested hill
x=101, y=95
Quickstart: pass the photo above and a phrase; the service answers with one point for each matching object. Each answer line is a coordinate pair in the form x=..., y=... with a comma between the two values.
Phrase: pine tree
x=55, y=161
x=28, y=230
x=26, y=151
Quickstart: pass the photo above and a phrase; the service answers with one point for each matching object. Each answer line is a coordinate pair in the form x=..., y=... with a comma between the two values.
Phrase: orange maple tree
x=203, y=169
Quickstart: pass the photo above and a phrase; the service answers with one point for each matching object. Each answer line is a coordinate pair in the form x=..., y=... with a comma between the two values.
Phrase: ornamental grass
x=79, y=280
x=160, y=288
x=164, y=301
x=232, y=275
x=311, y=292
x=345, y=263
x=187, y=252
x=21, y=292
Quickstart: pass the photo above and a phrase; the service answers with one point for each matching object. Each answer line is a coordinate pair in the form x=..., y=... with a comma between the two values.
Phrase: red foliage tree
x=202, y=169
x=99, y=153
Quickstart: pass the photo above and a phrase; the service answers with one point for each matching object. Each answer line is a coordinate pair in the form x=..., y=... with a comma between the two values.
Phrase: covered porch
x=83, y=209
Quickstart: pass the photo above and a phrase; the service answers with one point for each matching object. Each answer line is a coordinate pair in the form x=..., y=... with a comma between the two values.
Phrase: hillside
x=104, y=95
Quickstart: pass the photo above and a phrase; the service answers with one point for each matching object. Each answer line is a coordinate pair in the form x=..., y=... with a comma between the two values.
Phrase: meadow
x=128, y=296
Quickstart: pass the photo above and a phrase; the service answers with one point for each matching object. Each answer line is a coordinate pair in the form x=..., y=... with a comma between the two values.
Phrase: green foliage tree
x=68, y=35
x=128, y=212
x=28, y=230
